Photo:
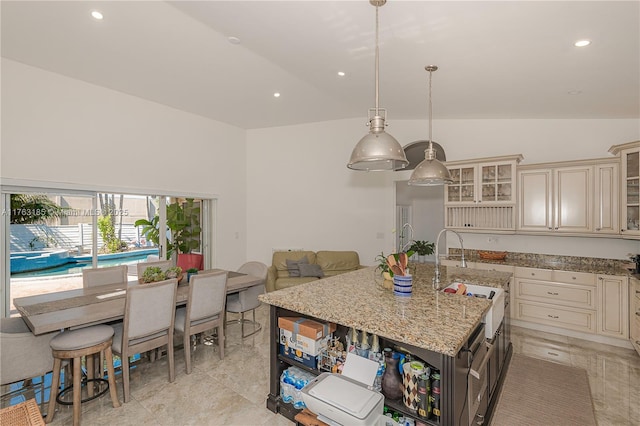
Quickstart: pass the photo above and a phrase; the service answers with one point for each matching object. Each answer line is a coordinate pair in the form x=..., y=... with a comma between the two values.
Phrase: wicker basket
x=492, y=255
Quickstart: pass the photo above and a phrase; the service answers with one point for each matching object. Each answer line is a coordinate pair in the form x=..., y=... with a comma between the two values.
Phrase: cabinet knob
x=533, y=274
x=573, y=278
x=598, y=229
x=550, y=228
x=556, y=228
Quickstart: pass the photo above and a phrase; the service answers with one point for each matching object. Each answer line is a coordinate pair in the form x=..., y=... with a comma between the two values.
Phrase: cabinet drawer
x=492, y=267
x=571, y=318
x=578, y=296
x=574, y=277
x=535, y=273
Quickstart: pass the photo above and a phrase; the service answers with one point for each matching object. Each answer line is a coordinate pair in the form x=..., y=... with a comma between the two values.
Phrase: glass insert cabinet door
x=462, y=189
x=632, y=191
x=496, y=182
x=481, y=183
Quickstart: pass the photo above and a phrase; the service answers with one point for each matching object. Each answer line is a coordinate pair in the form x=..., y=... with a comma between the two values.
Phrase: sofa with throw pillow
x=290, y=268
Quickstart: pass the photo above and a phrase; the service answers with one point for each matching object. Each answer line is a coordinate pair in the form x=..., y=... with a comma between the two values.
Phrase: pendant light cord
x=377, y=63
x=430, y=112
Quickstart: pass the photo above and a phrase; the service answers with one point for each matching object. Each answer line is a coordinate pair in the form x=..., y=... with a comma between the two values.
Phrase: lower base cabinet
x=588, y=303
x=634, y=308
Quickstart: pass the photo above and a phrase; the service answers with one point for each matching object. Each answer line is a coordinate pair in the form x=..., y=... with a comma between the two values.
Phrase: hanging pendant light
x=378, y=150
x=430, y=172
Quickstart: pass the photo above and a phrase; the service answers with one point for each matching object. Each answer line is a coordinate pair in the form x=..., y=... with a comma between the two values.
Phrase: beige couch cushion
x=280, y=260
x=291, y=282
x=337, y=262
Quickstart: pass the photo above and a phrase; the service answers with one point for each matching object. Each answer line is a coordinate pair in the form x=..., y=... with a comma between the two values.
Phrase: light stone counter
x=435, y=321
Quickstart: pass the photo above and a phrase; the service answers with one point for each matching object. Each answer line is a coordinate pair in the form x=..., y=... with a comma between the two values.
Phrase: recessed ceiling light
x=97, y=15
x=574, y=92
x=341, y=73
x=582, y=43
x=276, y=95
x=233, y=40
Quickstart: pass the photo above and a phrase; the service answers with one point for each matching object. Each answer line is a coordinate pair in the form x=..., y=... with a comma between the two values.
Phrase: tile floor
x=233, y=391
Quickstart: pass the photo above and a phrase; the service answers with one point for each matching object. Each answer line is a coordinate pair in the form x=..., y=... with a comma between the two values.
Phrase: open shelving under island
x=440, y=329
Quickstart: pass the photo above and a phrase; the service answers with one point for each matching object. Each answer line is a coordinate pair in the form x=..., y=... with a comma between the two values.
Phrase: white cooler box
x=342, y=400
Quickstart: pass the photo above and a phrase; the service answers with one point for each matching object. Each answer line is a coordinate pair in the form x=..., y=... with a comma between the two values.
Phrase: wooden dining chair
x=148, y=324
x=204, y=310
x=93, y=277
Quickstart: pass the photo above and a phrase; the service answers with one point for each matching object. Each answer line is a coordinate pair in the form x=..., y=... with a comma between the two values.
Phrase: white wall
x=301, y=194
x=57, y=129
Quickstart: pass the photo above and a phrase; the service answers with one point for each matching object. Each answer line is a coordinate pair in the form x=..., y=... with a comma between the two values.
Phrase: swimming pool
x=75, y=264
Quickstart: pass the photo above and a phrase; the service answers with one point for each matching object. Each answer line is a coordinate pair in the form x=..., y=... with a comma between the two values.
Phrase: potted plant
x=154, y=273
x=422, y=248
x=183, y=219
x=191, y=271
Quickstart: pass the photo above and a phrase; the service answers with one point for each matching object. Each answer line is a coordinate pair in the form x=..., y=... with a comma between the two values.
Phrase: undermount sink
x=493, y=317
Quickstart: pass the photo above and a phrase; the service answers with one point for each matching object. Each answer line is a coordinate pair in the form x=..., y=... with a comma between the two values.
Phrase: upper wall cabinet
x=630, y=184
x=579, y=197
x=482, y=196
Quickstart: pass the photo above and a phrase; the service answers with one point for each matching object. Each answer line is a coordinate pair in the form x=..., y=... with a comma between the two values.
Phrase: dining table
x=82, y=307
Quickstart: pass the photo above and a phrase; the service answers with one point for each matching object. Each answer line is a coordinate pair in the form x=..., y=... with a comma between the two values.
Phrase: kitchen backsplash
x=550, y=261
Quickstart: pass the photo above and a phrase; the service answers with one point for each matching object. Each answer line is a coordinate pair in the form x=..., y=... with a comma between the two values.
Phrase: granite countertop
x=591, y=265
x=429, y=319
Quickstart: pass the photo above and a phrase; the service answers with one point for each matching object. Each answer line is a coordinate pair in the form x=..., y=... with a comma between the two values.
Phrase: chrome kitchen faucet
x=463, y=263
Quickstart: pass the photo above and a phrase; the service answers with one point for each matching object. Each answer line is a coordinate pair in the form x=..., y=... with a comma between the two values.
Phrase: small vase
x=391, y=379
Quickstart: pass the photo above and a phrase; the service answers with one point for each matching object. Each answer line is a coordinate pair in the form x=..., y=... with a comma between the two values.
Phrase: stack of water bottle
x=292, y=380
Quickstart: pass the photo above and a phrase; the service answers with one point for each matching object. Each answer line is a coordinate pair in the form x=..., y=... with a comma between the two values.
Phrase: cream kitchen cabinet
x=580, y=197
x=556, y=298
x=584, y=302
x=606, y=209
x=613, y=305
x=634, y=307
x=555, y=199
x=482, y=195
x=630, y=188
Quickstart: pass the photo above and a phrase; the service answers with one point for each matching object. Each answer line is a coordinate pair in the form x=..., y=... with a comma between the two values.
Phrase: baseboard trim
x=622, y=343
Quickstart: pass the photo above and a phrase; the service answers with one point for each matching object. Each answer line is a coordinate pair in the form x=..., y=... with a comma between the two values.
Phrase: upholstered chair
x=148, y=324
x=247, y=300
x=204, y=310
x=23, y=355
x=93, y=277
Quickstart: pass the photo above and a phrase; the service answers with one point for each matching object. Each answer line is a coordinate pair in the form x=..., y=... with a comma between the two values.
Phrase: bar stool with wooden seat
x=84, y=342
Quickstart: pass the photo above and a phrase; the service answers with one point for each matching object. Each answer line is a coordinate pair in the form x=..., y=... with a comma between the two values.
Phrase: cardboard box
x=308, y=328
x=302, y=343
x=297, y=355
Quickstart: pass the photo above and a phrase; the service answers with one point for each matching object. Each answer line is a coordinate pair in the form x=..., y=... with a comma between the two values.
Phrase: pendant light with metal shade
x=430, y=172
x=378, y=150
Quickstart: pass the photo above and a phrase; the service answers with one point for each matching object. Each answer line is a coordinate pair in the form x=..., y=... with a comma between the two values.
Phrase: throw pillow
x=310, y=270
x=293, y=266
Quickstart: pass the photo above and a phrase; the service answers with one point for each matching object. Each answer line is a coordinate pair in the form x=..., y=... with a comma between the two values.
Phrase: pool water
x=76, y=268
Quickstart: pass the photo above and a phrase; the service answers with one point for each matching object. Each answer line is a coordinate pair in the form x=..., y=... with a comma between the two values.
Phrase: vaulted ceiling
x=503, y=59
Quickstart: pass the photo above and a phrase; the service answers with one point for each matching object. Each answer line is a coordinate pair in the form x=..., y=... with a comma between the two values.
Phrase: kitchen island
x=431, y=325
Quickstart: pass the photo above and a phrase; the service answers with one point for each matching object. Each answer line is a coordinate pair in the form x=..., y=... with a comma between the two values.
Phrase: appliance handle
x=485, y=360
